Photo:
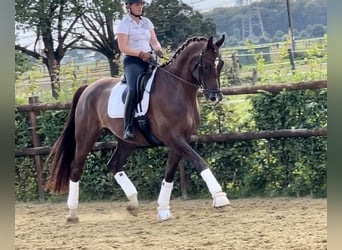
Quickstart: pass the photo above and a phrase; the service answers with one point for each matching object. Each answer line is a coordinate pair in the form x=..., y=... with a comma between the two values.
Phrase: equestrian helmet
x=134, y=1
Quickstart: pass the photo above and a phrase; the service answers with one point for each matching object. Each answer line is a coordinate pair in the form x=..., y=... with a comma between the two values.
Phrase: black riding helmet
x=127, y=2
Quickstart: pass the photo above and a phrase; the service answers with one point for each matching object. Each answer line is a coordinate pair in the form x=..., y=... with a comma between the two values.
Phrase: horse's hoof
x=220, y=200
x=164, y=215
x=132, y=210
x=71, y=219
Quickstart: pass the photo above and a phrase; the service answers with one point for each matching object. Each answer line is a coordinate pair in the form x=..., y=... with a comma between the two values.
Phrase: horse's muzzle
x=213, y=96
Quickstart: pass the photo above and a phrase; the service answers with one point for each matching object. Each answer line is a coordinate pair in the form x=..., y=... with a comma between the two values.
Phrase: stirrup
x=128, y=134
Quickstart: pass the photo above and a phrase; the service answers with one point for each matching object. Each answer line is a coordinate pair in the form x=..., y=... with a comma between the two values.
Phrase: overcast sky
x=205, y=5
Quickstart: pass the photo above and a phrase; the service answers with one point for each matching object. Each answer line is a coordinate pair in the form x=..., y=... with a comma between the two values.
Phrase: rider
x=136, y=39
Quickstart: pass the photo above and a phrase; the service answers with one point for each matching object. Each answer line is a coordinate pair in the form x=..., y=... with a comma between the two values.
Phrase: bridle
x=200, y=83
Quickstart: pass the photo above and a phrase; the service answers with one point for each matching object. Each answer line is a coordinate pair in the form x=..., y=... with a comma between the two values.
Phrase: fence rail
x=274, y=88
x=222, y=137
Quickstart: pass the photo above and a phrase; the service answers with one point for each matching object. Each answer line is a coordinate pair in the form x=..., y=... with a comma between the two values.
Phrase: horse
x=173, y=117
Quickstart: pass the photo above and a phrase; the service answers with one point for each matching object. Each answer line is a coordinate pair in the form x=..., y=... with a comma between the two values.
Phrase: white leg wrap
x=165, y=194
x=164, y=201
x=211, y=181
x=126, y=185
x=219, y=198
x=73, y=195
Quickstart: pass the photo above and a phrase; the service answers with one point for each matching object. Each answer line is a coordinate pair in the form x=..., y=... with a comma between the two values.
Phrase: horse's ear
x=220, y=41
x=210, y=43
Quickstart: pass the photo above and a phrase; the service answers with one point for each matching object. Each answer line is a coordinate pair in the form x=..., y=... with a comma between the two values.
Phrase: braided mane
x=183, y=46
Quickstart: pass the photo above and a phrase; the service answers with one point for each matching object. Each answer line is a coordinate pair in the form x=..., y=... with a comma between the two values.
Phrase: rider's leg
x=133, y=67
x=130, y=104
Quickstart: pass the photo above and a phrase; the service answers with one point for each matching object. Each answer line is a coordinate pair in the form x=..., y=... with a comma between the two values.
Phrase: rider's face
x=137, y=8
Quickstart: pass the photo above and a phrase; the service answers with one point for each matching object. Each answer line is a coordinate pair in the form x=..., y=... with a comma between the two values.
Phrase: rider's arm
x=123, y=45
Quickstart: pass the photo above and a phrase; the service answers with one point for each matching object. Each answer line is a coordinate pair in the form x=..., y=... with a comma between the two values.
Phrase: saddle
x=142, y=121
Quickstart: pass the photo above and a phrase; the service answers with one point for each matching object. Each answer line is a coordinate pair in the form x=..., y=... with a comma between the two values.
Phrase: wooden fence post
x=36, y=143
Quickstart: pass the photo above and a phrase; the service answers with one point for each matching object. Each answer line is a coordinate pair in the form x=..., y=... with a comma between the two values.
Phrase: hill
x=267, y=21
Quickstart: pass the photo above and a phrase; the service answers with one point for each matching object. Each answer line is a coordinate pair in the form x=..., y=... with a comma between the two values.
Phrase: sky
x=206, y=5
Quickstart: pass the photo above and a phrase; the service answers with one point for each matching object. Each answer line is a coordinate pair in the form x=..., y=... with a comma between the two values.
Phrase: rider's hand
x=160, y=53
x=145, y=56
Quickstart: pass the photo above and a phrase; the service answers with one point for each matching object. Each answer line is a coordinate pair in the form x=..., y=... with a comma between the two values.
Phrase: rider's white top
x=138, y=33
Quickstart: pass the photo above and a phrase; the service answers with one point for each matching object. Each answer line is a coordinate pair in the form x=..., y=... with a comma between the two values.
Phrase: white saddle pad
x=116, y=107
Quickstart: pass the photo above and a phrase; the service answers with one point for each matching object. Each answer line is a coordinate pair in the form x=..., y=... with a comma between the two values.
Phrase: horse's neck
x=181, y=72
x=173, y=91
x=181, y=67
x=182, y=78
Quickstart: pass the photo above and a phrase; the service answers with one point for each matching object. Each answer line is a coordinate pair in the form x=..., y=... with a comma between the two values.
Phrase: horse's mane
x=183, y=46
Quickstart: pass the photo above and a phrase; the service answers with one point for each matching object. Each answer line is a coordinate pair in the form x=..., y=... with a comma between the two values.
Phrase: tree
x=176, y=21
x=53, y=22
x=22, y=63
x=98, y=28
x=318, y=30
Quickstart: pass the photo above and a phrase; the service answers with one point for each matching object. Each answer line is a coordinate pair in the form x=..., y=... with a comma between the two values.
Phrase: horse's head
x=208, y=68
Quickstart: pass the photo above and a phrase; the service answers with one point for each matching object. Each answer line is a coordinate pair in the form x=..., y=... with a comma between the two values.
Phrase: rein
x=200, y=73
x=174, y=75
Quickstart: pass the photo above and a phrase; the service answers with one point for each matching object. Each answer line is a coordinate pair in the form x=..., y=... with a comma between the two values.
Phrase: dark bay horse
x=173, y=115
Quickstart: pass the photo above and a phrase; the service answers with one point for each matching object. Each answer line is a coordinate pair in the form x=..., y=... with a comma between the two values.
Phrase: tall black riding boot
x=129, y=116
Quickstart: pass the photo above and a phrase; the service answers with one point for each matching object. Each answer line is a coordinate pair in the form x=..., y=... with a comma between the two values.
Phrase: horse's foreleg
x=219, y=198
x=166, y=187
x=115, y=165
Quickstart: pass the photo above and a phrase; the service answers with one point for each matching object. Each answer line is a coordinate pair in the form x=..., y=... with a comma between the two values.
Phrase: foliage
x=98, y=22
x=293, y=166
x=259, y=60
x=315, y=57
x=55, y=32
x=175, y=22
x=22, y=63
x=25, y=182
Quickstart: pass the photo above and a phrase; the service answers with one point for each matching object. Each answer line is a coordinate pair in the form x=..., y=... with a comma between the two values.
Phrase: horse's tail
x=63, y=151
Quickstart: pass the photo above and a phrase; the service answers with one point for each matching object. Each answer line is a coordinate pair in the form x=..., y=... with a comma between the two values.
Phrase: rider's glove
x=160, y=53
x=144, y=56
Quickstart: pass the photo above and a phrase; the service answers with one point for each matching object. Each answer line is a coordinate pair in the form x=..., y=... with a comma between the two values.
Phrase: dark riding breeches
x=133, y=67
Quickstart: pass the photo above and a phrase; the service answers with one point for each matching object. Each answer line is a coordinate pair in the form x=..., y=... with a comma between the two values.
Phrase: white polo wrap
x=73, y=195
x=213, y=186
x=165, y=195
x=125, y=183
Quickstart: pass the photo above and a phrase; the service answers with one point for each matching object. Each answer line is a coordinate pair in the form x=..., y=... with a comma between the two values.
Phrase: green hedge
x=293, y=166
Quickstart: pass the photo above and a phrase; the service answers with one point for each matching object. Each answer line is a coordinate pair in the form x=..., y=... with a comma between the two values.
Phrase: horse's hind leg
x=115, y=165
x=166, y=187
x=84, y=144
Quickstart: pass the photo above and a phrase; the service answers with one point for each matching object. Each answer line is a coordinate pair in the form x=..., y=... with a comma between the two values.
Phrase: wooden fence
x=34, y=106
